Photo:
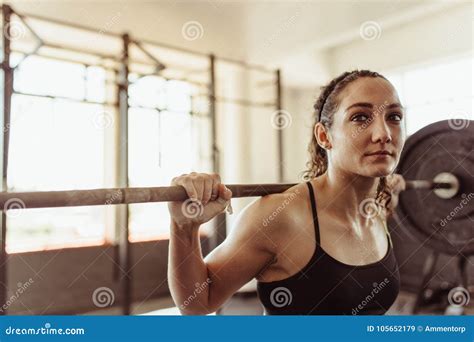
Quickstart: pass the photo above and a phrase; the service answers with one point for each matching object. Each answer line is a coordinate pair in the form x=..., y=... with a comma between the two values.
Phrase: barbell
x=447, y=170
x=70, y=198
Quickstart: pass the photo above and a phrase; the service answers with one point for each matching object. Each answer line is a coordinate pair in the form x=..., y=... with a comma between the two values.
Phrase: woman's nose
x=381, y=132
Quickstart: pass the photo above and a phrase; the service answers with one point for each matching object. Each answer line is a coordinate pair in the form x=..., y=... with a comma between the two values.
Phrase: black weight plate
x=446, y=225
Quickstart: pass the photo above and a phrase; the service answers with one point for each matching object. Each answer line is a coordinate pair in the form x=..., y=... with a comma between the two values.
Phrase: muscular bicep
x=241, y=257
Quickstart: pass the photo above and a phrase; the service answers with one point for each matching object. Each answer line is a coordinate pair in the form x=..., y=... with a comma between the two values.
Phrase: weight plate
x=446, y=225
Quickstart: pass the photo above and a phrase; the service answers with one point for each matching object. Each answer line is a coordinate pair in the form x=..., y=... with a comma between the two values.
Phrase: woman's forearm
x=187, y=272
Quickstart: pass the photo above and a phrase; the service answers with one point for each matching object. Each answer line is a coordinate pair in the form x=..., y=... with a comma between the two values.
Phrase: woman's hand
x=397, y=184
x=208, y=197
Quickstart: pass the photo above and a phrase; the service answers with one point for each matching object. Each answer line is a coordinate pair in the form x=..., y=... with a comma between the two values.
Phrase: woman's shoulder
x=278, y=211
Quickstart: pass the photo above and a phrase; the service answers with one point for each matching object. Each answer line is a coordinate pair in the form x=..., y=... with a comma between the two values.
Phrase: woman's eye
x=396, y=116
x=360, y=117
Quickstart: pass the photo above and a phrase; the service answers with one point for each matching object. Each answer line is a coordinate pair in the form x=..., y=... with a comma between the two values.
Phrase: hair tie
x=330, y=92
x=322, y=107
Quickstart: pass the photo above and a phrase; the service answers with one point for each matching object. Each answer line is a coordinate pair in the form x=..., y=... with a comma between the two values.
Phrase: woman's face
x=367, y=134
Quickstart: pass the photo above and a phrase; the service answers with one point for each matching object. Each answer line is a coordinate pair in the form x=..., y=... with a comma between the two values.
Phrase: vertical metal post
x=7, y=97
x=279, y=131
x=220, y=225
x=124, y=243
x=427, y=273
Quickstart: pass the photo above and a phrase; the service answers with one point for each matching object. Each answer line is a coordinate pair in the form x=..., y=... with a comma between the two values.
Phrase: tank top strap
x=315, y=214
x=387, y=232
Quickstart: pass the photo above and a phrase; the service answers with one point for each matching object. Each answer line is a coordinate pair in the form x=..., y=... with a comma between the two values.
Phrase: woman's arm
x=200, y=286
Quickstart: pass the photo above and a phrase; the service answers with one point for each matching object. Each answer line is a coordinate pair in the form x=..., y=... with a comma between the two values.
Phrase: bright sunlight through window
x=57, y=143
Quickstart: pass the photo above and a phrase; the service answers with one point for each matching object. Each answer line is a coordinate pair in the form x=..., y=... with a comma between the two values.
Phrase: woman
x=322, y=246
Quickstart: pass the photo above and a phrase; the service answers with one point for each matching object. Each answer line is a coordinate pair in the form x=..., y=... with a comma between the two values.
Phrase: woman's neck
x=347, y=191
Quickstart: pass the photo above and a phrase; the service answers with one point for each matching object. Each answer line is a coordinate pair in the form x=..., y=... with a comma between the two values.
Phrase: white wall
x=440, y=35
x=435, y=37
x=299, y=103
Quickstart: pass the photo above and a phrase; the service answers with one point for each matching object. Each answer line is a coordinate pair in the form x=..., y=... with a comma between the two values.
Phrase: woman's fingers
x=211, y=195
x=225, y=192
x=198, y=184
x=207, y=192
x=225, y=195
x=403, y=183
x=201, y=186
x=397, y=183
x=191, y=190
x=216, y=181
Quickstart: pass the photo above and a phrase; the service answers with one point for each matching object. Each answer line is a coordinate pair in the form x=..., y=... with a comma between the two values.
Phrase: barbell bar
x=71, y=198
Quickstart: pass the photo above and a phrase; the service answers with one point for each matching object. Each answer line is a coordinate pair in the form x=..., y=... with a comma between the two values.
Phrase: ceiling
x=289, y=34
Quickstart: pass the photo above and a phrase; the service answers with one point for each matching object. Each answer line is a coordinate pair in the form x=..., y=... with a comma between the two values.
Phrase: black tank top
x=326, y=286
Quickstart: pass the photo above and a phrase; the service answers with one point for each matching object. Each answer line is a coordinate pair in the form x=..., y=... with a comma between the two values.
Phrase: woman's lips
x=379, y=156
x=379, y=153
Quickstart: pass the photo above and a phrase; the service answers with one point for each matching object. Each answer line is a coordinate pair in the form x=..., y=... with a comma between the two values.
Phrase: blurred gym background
x=225, y=86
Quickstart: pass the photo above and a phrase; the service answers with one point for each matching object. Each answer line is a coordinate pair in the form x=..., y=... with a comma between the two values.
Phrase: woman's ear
x=322, y=136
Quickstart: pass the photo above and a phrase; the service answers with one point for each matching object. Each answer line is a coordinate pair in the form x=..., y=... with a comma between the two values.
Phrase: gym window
x=434, y=92
x=58, y=141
